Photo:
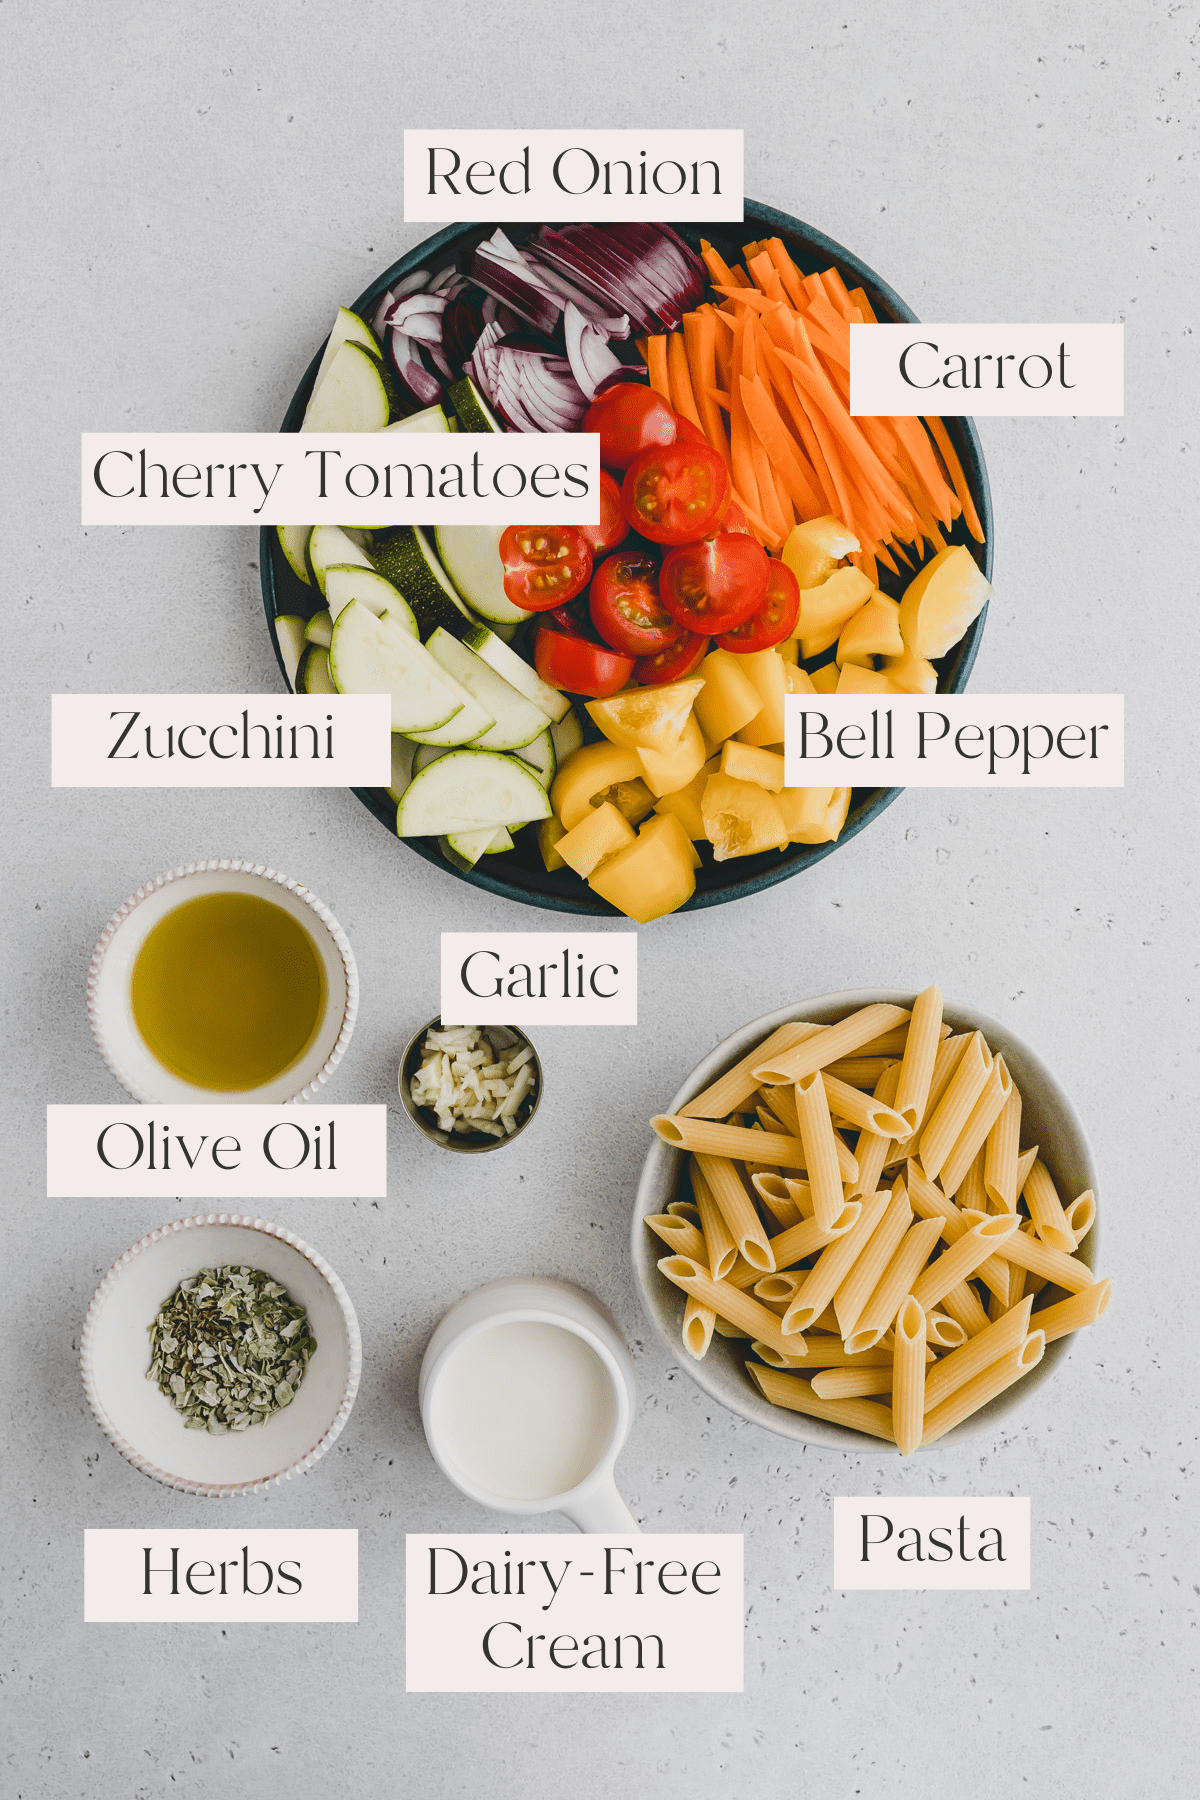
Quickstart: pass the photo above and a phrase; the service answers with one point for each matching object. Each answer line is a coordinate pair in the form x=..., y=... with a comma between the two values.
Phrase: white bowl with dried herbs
x=221, y=1355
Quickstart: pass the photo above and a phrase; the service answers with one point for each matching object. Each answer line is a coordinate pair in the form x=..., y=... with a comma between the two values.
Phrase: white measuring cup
x=526, y=1396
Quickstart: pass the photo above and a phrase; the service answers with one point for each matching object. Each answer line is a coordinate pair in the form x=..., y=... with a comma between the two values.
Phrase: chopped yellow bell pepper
x=825, y=679
x=746, y=763
x=728, y=699
x=740, y=818
x=814, y=549
x=941, y=601
x=854, y=680
x=828, y=829
x=665, y=771
x=585, y=773
x=874, y=630
x=766, y=670
x=803, y=810
x=825, y=609
x=797, y=680
x=652, y=876
x=646, y=718
x=632, y=799
x=685, y=801
x=600, y=834
x=911, y=673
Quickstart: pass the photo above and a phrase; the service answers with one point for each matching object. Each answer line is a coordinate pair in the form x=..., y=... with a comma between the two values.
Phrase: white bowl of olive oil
x=222, y=980
x=167, y=1435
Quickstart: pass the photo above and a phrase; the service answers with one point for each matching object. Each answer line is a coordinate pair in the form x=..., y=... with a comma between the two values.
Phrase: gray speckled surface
x=193, y=190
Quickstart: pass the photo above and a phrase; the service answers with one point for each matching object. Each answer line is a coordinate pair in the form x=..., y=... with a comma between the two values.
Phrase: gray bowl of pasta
x=1046, y=1118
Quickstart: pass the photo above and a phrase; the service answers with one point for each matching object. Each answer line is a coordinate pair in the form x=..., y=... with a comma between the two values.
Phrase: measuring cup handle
x=601, y=1509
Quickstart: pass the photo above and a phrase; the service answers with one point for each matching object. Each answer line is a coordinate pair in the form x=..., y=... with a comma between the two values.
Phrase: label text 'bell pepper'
x=539, y=977
x=359, y=478
x=220, y=740
x=574, y=1613
x=955, y=740
x=216, y=1152
x=572, y=175
x=988, y=371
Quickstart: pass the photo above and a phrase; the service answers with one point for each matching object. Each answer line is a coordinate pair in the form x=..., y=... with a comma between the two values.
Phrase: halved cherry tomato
x=628, y=417
x=774, y=618
x=675, y=495
x=675, y=663
x=569, y=619
x=613, y=526
x=686, y=432
x=578, y=667
x=713, y=586
x=544, y=564
x=625, y=608
x=734, y=519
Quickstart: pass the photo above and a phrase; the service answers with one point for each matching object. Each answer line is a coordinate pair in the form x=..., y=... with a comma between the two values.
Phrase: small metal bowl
x=501, y=1037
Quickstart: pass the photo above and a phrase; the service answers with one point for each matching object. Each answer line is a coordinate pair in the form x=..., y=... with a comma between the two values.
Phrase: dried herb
x=229, y=1348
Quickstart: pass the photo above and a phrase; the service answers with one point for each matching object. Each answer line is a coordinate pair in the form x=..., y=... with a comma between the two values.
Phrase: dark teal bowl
x=520, y=875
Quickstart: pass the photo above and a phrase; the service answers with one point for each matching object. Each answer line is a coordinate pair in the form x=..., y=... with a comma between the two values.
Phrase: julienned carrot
x=682, y=397
x=859, y=297
x=789, y=274
x=700, y=335
x=656, y=362
x=942, y=499
x=785, y=388
x=941, y=438
x=764, y=418
x=742, y=463
x=766, y=277
x=719, y=269
x=874, y=474
x=753, y=518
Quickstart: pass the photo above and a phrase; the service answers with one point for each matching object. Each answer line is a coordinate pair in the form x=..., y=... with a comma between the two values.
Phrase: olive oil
x=228, y=991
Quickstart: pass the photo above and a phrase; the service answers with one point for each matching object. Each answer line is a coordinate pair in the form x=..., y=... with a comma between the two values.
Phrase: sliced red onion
x=462, y=323
x=612, y=326
x=587, y=350
x=642, y=269
x=515, y=286
x=411, y=371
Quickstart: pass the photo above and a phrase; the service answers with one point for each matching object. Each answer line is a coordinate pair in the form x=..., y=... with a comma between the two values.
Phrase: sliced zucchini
x=432, y=419
x=319, y=629
x=463, y=849
x=470, y=407
x=315, y=677
x=424, y=754
x=516, y=721
x=290, y=635
x=468, y=790
x=370, y=590
x=517, y=672
x=403, y=757
x=292, y=541
x=406, y=558
x=371, y=656
x=348, y=328
x=567, y=733
x=330, y=547
x=354, y=394
x=471, y=555
x=541, y=758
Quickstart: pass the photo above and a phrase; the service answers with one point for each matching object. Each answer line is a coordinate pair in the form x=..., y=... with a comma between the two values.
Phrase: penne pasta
x=827, y=1353
x=834, y=1263
x=965, y=1308
x=863, y=1111
x=724, y=1329
x=1081, y=1215
x=1025, y=1162
x=704, y=1137
x=895, y=1284
x=954, y=1108
x=872, y=1150
x=1080, y=1309
x=685, y=1209
x=730, y=1303
x=698, y=1323
x=802, y=1240
x=928, y=1200
x=820, y=1149
x=961, y=1366
x=1046, y=1209
x=909, y=1376
x=681, y=1237
x=784, y=1104
x=730, y=1090
x=985, y=1386
x=862, y=1279
x=893, y=1042
x=854, y=1384
x=860, y=1071
x=944, y=1332
x=973, y=1136
x=960, y=1260
x=833, y=1042
x=920, y=1054
x=773, y=1193
x=720, y=1249
x=797, y=1395
x=1029, y=1252
x=973, y=1191
x=1001, y=1157
x=737, y=1209
x=777, y=1290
